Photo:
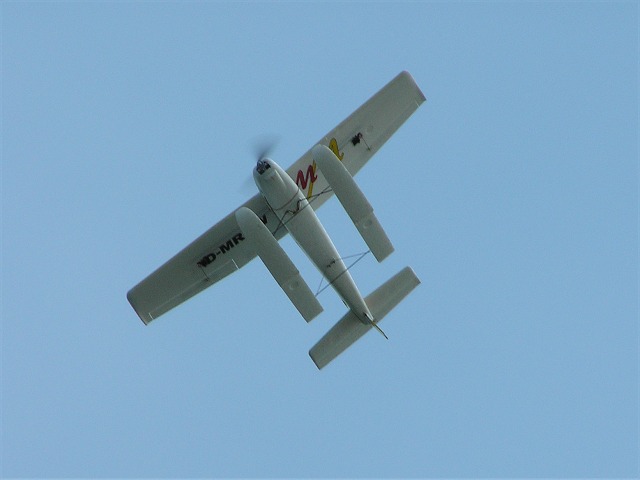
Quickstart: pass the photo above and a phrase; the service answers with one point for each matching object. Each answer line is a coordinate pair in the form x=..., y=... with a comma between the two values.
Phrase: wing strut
x=360, y=256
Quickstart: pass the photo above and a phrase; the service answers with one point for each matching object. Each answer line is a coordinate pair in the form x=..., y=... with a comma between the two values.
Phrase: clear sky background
x=127, y=131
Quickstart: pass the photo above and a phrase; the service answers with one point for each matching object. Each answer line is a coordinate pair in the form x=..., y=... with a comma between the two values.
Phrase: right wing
x=360, y=135
x=221, y=250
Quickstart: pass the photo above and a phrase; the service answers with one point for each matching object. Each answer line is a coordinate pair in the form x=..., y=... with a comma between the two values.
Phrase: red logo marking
x=302, y=180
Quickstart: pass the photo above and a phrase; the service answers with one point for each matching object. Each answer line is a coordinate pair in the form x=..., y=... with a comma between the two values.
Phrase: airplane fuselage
x=292, y=209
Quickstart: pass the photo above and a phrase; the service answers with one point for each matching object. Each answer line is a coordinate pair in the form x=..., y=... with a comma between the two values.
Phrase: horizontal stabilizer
x=349, y=328
x=278, y=263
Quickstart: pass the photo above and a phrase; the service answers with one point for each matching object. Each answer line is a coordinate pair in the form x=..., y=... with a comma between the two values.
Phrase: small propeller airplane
x=286, y=203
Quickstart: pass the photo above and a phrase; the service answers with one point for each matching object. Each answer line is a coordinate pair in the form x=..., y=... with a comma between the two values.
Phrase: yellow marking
x=333, y=145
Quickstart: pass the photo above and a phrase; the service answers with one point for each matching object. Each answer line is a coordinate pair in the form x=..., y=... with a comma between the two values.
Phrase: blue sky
x=127, y=131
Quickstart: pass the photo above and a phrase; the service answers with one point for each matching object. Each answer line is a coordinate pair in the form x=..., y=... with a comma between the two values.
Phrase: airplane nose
x=262, y=166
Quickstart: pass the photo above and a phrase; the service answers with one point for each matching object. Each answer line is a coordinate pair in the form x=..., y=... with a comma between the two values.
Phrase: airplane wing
x=360, y=135
x=221, y=250
x=215, y=254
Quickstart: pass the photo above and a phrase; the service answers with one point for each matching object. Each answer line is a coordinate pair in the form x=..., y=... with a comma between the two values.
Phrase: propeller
x=264, y=146
x=261, y=147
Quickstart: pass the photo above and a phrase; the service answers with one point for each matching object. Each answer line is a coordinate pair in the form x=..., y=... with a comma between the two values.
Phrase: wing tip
x=132, y=302
x=407, y=75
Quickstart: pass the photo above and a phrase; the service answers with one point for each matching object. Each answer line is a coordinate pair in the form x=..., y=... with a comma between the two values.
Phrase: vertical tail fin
x=349, y=328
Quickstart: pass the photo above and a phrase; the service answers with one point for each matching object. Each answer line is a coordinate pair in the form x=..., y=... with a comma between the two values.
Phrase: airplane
x=286, y=203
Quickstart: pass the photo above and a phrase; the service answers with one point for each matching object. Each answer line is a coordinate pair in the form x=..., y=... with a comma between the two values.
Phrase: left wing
x=221, y=250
